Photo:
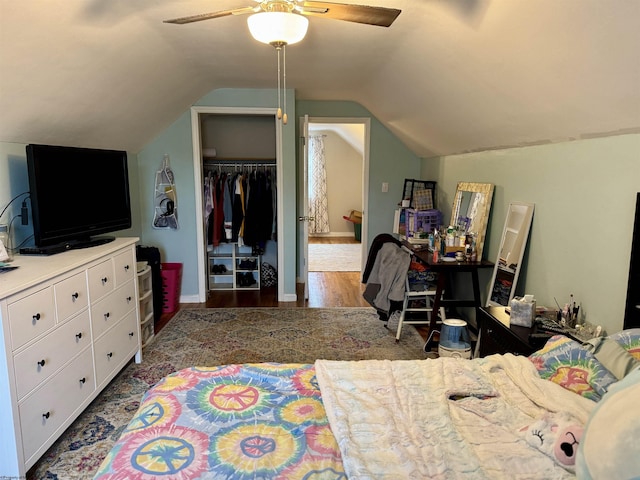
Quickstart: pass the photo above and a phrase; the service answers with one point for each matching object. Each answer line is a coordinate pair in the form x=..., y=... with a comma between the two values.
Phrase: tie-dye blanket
x=233, y=422
x=445, y=418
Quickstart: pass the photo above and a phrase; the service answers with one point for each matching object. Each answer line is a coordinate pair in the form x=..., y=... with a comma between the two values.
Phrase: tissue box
x=522, y=313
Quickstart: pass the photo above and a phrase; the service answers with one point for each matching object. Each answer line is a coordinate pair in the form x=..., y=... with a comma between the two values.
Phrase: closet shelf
x=242, y=268
x=216, y=160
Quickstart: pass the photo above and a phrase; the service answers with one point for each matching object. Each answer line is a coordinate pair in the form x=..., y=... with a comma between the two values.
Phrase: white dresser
x=70, y=323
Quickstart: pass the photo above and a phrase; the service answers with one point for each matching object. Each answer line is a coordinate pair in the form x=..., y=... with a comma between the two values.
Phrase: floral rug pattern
x=207, y=337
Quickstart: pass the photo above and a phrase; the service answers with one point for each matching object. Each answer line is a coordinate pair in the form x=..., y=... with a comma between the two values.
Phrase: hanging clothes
x=240, y=206
x=218, y=211
x=259, y=217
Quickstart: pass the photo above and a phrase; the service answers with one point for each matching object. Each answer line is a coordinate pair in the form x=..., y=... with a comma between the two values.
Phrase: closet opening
x=237, y=173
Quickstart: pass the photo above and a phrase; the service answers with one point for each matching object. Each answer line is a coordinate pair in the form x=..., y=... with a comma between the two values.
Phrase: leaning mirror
x=510, y=255
x=470, y=211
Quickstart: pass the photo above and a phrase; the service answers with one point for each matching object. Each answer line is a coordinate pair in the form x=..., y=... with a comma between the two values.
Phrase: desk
x=444, y=269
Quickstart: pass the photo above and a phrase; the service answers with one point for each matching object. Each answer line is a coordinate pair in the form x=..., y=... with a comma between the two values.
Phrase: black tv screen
x=77, y=193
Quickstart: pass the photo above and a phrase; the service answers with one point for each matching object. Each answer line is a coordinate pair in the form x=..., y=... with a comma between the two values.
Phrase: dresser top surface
x=34, y=269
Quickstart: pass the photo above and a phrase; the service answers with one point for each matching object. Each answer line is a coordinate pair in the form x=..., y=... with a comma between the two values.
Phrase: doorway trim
x=196, y=112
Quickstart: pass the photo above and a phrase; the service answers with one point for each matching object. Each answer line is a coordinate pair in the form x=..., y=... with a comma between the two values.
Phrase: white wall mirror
x=512, y=245
x=470, y=210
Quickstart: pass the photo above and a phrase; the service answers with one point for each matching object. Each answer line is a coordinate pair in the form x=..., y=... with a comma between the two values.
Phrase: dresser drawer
x=71, y=296
x=42, y=359
x=31, y=316
x=110, y=310
x=125, y=267
x=101, y=280
x=113, y=350
x=42, y=413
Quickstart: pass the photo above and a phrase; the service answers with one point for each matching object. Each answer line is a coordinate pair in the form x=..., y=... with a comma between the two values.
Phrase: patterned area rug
x=205, y=337
x=335, y=257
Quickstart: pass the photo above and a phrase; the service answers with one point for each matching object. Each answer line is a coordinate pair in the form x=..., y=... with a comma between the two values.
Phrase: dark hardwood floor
x=326, y=289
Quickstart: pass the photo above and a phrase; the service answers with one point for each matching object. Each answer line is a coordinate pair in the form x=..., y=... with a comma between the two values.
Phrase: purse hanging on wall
x=166, y=200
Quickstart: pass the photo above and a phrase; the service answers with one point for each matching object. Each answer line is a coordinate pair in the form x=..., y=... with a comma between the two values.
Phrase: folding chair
x=422, y=292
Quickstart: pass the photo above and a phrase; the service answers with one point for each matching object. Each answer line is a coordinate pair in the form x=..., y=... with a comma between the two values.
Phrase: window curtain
x=318, y=203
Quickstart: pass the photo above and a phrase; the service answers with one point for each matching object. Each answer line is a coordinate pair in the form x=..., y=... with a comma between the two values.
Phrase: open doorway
x=332, y=240
x=334, y=175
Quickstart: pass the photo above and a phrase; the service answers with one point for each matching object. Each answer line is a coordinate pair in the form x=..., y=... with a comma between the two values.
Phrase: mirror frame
x=501, y=267
x=487, y=190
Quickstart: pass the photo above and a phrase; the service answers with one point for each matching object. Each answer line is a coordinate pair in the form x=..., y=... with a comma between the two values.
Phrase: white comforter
x=443, y=418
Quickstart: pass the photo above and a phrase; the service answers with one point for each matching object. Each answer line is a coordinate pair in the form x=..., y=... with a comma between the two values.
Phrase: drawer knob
x=79, y=335
x=128, y=299
x=126, y=268
x=107, y=315
x=36, y=317
x=74, y=296
x=46, y=415
x=110, y=354
x=41, y=362
x=83, y=380
x=104, y=280
x=131, y=334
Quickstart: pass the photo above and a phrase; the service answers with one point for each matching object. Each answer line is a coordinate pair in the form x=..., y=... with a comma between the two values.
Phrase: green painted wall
x=584, y=193
x=390, y=161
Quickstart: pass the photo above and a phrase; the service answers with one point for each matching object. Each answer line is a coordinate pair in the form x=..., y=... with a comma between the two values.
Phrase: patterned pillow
x=565, y=362
x=629, y=340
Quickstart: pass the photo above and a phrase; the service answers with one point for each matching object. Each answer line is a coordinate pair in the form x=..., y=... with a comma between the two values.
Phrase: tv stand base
x=63, y=247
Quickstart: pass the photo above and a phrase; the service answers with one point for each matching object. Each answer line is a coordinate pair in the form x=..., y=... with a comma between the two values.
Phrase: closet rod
x=239, y=165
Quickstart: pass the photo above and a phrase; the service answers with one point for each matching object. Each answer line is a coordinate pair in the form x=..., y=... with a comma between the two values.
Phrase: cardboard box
x=355, y=216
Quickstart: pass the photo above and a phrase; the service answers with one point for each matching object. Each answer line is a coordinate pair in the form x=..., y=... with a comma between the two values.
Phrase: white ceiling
x=448, y=76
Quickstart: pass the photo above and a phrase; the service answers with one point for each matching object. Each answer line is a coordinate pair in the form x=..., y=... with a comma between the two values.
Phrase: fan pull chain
x=278, y=48
x=284, y=82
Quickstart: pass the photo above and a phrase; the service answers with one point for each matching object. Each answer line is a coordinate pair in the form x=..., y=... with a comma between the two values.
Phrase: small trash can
x=171, y=283
x=357, y=230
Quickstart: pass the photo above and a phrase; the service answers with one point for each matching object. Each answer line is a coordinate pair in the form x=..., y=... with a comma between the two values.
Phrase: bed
x=502, y=416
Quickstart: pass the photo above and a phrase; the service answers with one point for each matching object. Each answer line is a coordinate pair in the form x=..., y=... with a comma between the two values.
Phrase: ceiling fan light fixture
x=278, y=27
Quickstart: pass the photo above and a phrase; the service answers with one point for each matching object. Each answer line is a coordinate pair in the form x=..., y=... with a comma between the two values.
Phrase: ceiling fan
x=378, y=16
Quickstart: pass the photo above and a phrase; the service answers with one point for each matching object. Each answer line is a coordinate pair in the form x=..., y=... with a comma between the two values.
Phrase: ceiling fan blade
x=379, y=16
x=208, y=16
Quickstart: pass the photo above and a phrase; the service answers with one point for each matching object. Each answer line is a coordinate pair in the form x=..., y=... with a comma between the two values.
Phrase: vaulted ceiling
x=448, y=76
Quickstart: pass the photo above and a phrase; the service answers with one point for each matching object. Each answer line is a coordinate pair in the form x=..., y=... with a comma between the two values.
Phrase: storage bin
x=357, y=231
x=421, y=221
x=171, y=283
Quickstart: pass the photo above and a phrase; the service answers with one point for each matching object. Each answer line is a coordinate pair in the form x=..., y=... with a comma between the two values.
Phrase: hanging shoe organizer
x=166, y=199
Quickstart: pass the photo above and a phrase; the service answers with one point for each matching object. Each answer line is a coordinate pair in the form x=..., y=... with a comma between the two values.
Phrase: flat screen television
x=77, y=194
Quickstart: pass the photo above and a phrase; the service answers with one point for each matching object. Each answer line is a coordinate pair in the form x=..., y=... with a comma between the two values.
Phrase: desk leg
x=476, y=288
x=431, y=342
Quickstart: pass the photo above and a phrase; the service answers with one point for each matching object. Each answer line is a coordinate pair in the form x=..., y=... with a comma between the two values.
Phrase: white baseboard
x=189, y=299
x=288, y=297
